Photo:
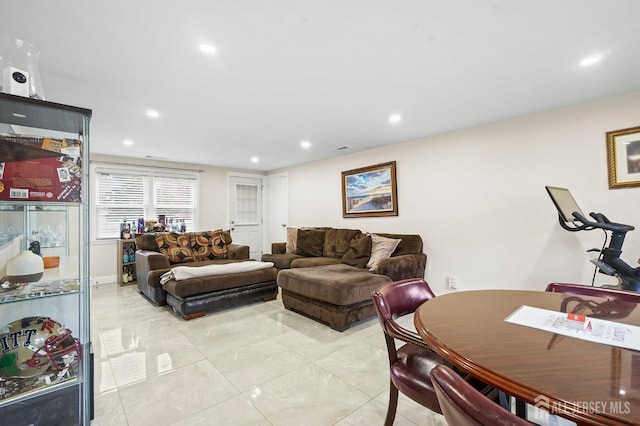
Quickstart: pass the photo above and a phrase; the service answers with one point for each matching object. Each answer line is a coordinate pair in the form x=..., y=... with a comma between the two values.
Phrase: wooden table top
x=590, y=383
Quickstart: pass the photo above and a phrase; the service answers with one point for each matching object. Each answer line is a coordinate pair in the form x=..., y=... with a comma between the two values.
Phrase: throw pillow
x=227, y=237
x=292, y=237
x=338, y=241
x=309, y=242
x=209, y=245
x=359, y=252
x=147, y=241
x=381, y=248
x=175, y=246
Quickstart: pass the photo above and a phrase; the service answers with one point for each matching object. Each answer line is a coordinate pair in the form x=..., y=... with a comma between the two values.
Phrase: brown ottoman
x=338, y=295
x=192, y=297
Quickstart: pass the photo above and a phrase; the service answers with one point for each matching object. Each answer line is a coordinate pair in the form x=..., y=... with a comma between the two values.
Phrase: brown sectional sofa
x=192, y=297
x=324, y=274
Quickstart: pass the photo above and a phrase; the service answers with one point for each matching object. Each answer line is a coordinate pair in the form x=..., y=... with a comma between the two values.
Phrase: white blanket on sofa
x=185, y=272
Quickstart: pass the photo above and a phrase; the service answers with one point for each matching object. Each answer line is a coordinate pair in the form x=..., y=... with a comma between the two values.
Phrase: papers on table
x=591, y=329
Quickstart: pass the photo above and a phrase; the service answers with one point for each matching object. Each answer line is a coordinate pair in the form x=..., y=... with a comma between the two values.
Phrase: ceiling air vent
x=340, y=148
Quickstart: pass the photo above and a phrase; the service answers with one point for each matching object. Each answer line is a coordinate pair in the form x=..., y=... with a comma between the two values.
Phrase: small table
x=587, y=382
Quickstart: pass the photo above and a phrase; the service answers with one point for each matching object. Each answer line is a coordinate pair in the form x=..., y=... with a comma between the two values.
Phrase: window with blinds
x=126, y=195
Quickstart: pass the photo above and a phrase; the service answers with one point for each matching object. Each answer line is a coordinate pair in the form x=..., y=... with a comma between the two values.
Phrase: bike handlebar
x=602, y=222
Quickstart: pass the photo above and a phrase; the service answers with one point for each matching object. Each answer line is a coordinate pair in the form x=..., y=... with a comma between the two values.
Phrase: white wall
x=477, y=197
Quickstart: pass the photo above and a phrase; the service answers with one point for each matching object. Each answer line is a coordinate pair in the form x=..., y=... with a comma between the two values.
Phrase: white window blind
x=123, y=194
x=174, y=198
x=119, y=197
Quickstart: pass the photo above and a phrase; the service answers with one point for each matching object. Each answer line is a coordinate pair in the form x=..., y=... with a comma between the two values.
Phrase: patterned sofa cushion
x=208, y=245
x=177, y=247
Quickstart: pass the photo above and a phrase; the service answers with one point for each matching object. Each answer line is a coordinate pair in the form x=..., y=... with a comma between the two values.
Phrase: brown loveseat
x=327, y=273
x=158, y=253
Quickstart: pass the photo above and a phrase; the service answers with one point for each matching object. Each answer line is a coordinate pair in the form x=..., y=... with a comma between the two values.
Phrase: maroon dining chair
x=411, y=363
x=463, y=405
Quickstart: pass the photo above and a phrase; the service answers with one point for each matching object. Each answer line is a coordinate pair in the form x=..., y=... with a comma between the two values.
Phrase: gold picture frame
x=370, y=191
x=623, y=157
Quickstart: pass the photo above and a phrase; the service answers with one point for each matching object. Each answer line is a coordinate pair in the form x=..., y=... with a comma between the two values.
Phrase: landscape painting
x=370, y=191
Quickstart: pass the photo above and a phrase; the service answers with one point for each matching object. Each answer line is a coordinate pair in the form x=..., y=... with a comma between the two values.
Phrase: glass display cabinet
x=45, y=349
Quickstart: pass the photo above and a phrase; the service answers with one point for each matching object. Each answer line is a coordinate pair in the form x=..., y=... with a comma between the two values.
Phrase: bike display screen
x=564, y=202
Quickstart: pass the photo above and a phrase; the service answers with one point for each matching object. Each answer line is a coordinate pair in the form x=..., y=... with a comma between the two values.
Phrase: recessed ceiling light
x=207, y=49
x=395, y=118
x=254, y=159
x=305, y=144
x=590, y=60
x=152, y=113
x=127, y=142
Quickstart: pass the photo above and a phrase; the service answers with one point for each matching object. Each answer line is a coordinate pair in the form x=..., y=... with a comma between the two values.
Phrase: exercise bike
x=608, y=261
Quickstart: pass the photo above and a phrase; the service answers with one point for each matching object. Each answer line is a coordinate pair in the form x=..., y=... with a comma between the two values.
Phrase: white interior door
x=245, y=213
x=276, y=209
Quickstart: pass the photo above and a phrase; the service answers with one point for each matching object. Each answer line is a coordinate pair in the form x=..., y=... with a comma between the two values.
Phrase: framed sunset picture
x=370, y=191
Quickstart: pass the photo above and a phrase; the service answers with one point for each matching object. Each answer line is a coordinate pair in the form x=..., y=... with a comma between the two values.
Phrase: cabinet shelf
x=37, y=387
x=126, y=269
x=38, y=290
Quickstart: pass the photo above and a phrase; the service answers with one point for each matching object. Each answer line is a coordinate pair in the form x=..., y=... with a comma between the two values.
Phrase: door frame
x=267, y=220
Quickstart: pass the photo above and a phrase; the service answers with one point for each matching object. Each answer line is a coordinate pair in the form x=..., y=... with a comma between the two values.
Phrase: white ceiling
x=326, y=71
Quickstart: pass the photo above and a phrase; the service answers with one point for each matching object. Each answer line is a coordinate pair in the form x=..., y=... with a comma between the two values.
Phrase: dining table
x=585, y=381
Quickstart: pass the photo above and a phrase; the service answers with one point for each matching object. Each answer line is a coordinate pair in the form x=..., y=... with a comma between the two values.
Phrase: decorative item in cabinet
x=54, y=171
x=45, y=329
x=126, y=262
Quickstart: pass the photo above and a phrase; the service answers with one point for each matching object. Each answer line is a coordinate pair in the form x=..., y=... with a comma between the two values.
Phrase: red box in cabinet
x=40, y=169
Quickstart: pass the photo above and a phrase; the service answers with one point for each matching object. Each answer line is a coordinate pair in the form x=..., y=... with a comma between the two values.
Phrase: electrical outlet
x=452, y=282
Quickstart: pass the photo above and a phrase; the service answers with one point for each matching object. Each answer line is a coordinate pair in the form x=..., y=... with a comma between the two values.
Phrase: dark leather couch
x=193, y=296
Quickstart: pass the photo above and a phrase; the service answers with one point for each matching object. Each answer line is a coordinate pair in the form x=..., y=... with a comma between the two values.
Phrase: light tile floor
x=256, y=364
